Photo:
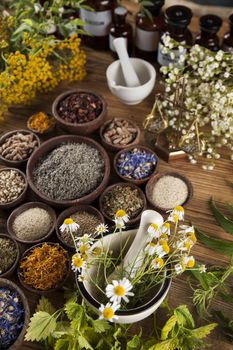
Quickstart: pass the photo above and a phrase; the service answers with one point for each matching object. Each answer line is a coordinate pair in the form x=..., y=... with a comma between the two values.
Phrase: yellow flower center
x=154, y=226
x=83, y=248
x=108, y=313
x=119, y=291
x=162, y=241
x=160, y=262
x=77, y=261
x=166, y=248
x=68, y=221
x=120, y=213
x=164, y=237
x=179, y=208
x=187, y=245
x=97, y=251
x=192, y=237
x=167, y=225
x=191, y=263
x=175, y=218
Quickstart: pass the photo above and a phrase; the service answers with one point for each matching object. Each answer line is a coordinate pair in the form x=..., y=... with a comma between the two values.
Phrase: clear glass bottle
x=210, y=25
x=227, y=44
x=98, y=23
x=177, y=19
x=148, y=31
x=120, y=28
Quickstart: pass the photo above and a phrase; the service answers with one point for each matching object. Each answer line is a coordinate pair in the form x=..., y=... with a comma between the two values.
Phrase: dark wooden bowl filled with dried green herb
x=86, y=216
x=9, y=255
x=166, y=190
x=44, y=268
x=126, y=196
x=32, y=223
x=68, y=170
x=13, y=187
x=16, y=315
x=80, y=111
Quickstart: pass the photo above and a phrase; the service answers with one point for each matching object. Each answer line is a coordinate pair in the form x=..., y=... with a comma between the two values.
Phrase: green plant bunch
x=75, y=327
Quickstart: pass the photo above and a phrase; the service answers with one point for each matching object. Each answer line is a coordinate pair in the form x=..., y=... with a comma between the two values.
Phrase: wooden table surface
x=205, y=184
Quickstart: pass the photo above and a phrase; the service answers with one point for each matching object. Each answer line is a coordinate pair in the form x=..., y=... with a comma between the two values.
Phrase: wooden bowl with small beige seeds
x=166, y=190
x=118, y=133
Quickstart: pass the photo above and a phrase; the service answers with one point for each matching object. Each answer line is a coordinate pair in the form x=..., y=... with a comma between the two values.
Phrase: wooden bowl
x=48, y=146
x=16, y=163
x=116, y=148
x=10, y=271
x=21, y=197
x=46, y=131
x=131, y=180
x=38, y=291
x=68, y=212
x=27, y=206
x=79, y=128
x=5, y=283
x=132, y=221
x=151, y=183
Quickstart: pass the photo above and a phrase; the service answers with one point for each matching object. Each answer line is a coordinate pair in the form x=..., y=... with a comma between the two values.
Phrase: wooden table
x=205, y=184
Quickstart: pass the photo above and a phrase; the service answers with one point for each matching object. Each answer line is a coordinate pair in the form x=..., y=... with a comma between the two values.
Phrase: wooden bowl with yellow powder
x=41, y=123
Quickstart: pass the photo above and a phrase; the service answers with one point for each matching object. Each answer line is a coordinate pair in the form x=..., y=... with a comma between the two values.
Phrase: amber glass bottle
x=210, y=25
x=148, y=30
x=177, y=19
x=98, y=22
x=227, y=44
x=120, y=29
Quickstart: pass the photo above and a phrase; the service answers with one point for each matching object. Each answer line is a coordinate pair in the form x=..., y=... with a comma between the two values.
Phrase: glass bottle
x=177, y=19
x=98, y=22
x=120, y=28
x=227, y=44
x=210, y=25
x=148, y=30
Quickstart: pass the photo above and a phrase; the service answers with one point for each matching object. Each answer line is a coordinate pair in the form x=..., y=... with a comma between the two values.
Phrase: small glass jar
x=177, y=19
x=227, y=44
x=98, y=23
x=148, y=31
x=120, y=29
x=210, y=25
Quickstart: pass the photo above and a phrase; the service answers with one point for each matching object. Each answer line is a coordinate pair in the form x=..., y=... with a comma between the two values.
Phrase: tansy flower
x=153, y=231
x=157, y=263
x=69, y=225
x=101, y=228
x=108, y=312
x=151, y=248
x=121, y=218
x=176, y=214
x=202, y=268
x=119, y=290
x=189, y=261
x=165, y=229
x=178, y=268
x=78, y=263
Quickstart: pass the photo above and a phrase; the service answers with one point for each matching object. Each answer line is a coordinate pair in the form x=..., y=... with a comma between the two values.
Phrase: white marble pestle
x=130, y=76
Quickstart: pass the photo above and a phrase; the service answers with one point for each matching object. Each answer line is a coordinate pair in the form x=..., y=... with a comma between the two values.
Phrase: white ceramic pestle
x=130, y=76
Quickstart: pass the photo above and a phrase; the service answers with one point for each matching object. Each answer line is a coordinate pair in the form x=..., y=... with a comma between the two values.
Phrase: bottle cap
x=210, y=23
x=120, y=11
x=178, y=15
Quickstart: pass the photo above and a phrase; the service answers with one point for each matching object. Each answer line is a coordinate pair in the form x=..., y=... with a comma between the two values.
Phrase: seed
x=12, y=185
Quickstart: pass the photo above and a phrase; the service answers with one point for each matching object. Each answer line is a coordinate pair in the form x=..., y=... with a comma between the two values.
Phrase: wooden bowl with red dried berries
x=79, y=112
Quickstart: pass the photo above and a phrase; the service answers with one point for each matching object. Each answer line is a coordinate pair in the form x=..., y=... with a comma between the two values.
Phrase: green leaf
x=202, y=332
x=201, y=277
x=220, y=245
x=169, y=325
x=184, y=317
x=169, y=344
x=62, y=344
x=45, y=305
x=28, y=22
x=73, y=310
x=83, y=343
x=41, y=325
x=100, y=326
x=134, y=343
x=222, y=220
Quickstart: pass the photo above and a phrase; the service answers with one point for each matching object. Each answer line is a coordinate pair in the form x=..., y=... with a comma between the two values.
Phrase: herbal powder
x=8, y=254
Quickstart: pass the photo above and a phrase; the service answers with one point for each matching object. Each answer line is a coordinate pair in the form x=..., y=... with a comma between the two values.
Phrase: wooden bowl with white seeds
x=165, y=191
x=32, y=223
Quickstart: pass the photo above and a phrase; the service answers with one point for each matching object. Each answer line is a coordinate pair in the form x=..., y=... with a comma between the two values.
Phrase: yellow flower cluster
x=47, y=64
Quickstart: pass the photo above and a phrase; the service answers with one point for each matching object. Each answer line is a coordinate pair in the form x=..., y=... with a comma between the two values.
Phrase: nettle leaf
x=202, y=332
x=184, y=317
x=62, y=328
x=169, y=325
x=222, y=220
x=83, y=343
x=41, y=325
x=201, y=277
x=45, y=305
x=169, y=344
x=73, y=310
x=220, y=245
x=100, y=326
x=62, y=344
x=134, y=343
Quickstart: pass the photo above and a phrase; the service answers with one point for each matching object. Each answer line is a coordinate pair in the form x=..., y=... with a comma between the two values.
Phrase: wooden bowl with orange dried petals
x=41, y=123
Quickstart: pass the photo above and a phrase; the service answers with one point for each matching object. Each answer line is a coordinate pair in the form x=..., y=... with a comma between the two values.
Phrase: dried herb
x=44, y=267
x=8, y=254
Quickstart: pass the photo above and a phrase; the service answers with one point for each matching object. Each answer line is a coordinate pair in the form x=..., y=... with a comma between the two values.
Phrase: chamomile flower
x=101, y=228
x=83, y=247
x=121, y=218
x=119, y=290
x=78, y=263
x=153, y=231
x=157, y=263
x=150, y=249
x=108, y=312
x=162, y=248
x=176, y=214
x=178, y=268
x=202, y=268
x=165, y=229
x=184, y=245
x=189, y=261
x=69, y=225
x=185, y=229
